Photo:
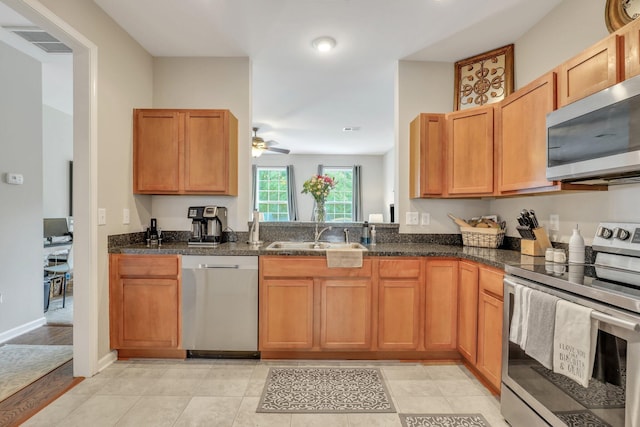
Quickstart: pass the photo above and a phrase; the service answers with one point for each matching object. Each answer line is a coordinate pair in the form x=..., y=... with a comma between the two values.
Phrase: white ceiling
x=302, y=98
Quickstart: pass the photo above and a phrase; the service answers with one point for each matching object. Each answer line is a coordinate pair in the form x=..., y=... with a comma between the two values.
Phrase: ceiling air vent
x=41, y=39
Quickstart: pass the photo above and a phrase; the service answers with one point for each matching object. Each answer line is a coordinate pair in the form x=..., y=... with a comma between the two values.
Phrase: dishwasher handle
x=235, y=266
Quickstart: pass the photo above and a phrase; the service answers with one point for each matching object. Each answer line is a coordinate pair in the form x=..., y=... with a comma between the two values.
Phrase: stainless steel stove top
x=614, y=278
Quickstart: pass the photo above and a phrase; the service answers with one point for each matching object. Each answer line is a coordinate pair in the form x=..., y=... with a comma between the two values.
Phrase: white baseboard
x=22, y=329
x=107, y=360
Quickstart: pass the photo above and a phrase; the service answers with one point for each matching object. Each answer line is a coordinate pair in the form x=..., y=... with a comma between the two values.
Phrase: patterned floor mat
x=581, y=419
x=443, y=420
x=325, y=390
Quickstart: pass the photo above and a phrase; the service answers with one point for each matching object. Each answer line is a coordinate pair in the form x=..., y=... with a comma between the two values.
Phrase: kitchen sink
x=311, y=246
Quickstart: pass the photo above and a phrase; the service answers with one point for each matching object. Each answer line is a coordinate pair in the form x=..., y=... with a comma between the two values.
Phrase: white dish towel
x=541, y=320
x=574, y=342
x=518, y=329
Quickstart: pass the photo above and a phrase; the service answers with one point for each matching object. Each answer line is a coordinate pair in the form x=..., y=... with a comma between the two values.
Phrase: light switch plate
x=425, y=219
x=554, y=222
x=102, y=216
x=125, y=216
x=412, y=218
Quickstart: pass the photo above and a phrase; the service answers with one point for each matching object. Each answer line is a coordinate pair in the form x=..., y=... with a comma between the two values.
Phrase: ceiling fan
x=259, y=145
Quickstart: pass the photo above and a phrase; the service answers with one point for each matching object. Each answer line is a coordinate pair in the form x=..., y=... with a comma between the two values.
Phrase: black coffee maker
x=198, y=224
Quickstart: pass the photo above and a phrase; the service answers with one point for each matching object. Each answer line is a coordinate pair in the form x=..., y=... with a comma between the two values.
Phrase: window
x=339, y=205
x=271, y=193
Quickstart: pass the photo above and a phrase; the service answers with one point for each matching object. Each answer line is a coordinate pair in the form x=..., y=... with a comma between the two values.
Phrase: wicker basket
x=482, y=237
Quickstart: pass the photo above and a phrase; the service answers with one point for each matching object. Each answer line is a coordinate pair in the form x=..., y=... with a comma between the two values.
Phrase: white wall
x=425, y=87
x=124, y=82
x=217, y=83
x=57, y=152
x=373, y=177
x=389, y=187
x=21, y=205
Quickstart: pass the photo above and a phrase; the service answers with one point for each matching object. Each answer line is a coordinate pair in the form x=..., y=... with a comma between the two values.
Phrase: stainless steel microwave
x=597, y=139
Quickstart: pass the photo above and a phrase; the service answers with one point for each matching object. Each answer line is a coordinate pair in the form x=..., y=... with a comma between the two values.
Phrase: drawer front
x=298, y=266
x=490, y=281
x=149, y=265
x=400, y=267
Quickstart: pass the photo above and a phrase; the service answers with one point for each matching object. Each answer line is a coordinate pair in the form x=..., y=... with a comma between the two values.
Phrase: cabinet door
x=522, y=156
x=467, y=310
x=157, y=152
x=426, y=167
x=205, y=151
x=489, y=361
x=286, y=314
x=441, y=304
x=345, y=313
x=470, y=151
x=399, y=313
x=596, y=68
x=149, y=309
x=490, y=338
x=631, y=34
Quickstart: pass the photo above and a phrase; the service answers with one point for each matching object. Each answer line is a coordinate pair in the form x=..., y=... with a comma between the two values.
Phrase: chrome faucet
x=317, y=234
x=346, y=235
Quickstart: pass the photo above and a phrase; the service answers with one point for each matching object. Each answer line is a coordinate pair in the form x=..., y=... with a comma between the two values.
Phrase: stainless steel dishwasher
x=220, y=306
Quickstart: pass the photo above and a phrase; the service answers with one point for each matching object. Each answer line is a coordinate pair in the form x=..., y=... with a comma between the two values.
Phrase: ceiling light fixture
x=324, y=43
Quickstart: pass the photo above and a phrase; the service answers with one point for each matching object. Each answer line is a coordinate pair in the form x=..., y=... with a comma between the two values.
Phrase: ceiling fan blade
x=278, y=150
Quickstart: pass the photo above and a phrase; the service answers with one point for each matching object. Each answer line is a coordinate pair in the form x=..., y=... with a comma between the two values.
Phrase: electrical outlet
x=412, y=218
x=102, y=216
x=425, y=219
x=125, y=216
x=1, y=298
x=554, y=222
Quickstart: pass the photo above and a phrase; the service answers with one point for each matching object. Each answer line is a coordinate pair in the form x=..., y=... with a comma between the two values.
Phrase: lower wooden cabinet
x=468, y=310
x=306, y=306
x=441, y=304
x=480, y=305
x=345, y=313
x=489, y=362
x=286, y=314
x=145, y=316
x=400, y=303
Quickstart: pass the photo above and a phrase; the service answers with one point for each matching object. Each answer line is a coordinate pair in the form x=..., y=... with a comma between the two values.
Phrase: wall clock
x=618, y=13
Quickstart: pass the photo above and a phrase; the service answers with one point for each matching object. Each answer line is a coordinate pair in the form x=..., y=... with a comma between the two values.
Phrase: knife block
x=536, y=247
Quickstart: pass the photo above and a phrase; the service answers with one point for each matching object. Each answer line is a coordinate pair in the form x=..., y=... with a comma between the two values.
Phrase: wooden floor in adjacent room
x=22, y=405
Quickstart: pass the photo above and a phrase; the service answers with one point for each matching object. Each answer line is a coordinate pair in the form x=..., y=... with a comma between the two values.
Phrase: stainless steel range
x=535, y=393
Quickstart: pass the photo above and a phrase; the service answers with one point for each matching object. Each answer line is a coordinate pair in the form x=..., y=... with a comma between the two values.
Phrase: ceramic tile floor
x=200, y=392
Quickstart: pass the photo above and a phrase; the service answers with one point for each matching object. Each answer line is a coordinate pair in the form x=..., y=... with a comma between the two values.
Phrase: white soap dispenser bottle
x=576, y=247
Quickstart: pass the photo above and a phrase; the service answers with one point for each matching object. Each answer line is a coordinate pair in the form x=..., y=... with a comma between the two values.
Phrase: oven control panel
x=618, y=237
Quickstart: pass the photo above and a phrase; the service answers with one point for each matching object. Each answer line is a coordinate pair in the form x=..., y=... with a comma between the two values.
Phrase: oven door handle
x=632, y=326
x=615, y=321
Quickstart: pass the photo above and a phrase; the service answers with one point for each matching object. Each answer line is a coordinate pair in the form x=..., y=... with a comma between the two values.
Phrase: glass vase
x=320, y=211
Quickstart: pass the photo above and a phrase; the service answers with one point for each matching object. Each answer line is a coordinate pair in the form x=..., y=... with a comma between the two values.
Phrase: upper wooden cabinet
x=596, y=68
x=470, y=152
x=426, y=164
x=185, y=152
x=631, y=35
x=521, y=136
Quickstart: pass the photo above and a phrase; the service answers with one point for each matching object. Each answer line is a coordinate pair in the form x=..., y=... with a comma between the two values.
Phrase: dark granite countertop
x=493, y=257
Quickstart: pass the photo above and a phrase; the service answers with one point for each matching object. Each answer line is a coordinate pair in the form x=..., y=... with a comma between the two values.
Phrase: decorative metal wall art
x=483, y=79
